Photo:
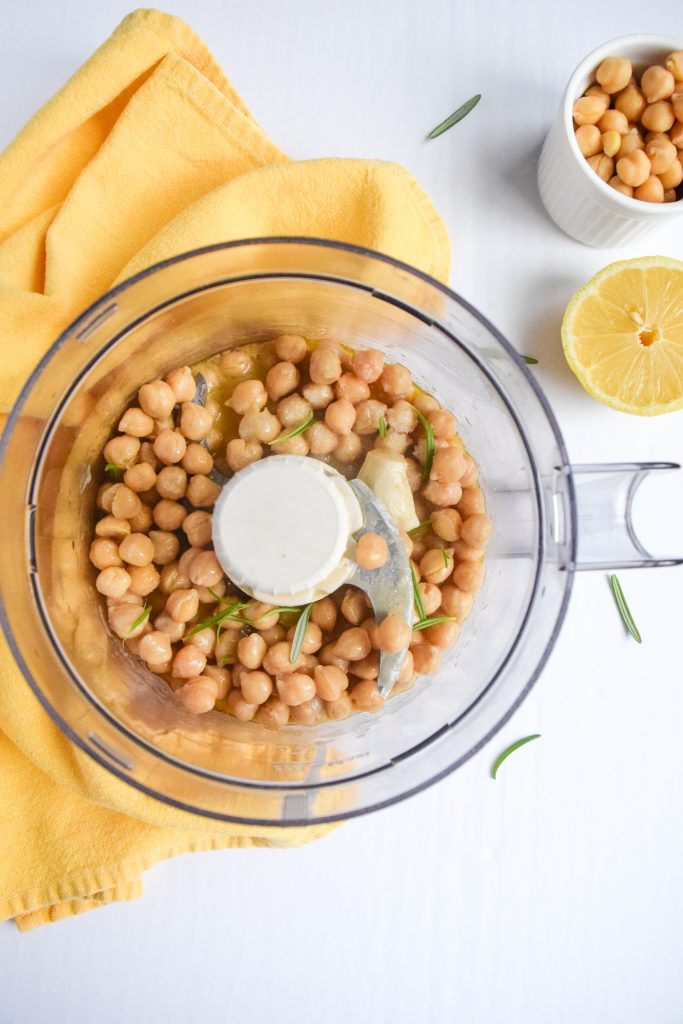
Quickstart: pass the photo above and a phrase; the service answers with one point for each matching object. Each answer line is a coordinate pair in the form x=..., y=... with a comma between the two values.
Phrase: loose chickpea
x=195, y=421
x=340, y=416
x=676, y=134
x=276, y=661
x=318, y=396
x=121, y=618
x=295, y=688
x=311, y=712
x=165, y=624
x=262, y=616
x=165, y=424
x=618, y=184
x=673, y=175
x=658, y=117
x=157, y=399
x=330, y=681
x=274, y=635
x=611, y=143
x=207, y=595
x=352, y=388
x=612, y=120
x=320, y=439
x=324, y=614
x=136, y=423
x=353, y=644
x=136, y=549
x=181, y=383
x=674, y=64
x=112, y=527
x=366, y=697
x=588, y=138
x=588, y=110
x=614, y=74
x=367, y=668
x=442, y=494
x=199, y=694
x=226, y=648
x=248, y=396
x=324, y=366
x=189, y=661
x=281, y=380
x=371, y=627
x=292, y=411
x=426, y=659
x=143, y=579
x=186, y=559
x=354, y=606
x=448, y=466
x=468, y=576
x=348, y=448
x=677, y=104
x=172, y=483
x=142, y=521
x=367, y=364
x=312, y=640
x=236, y=363
x=222, y=679
x=292, y=446
x=396, y=381
x=442, y=635
x=290, y=348
x=631, y=103
x=339, y=708
x=113, y=581
x=372, y=551
x=182, y=605
x=443, y=423
x=657, y=83
x=204, y=640
x=466, y=552
x=169, y=446
x=274, y=714
x=240, y=453
x=197, y=528
x=251, y=650
x=603, y=165
x=414, y=474
x=651, y=191
x=431, y=597
x=259, y=426
x=477, y=530
x=104, y=553
x=171, y=578
x=436, y=565
x=661, y=153
x=155, y=648
x=368, y=416
x=407, y=542
x=394, y=634
x=140, y=477
x=169, y=515
x=147, y=455
x=197, y=459
x=446, y=523
x=670, y=195
x=206, y=570
x=127, y=598
x=256, y=686
x=239, y=707
x=201, y=491
x=631, y=141
x=596, y=90
x=471, y=501
x=122, y=450
x=401, y=417
x=125, y=503
x=329, y=656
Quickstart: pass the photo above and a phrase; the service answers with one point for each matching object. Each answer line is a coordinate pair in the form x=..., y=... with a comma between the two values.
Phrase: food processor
x=551, y=519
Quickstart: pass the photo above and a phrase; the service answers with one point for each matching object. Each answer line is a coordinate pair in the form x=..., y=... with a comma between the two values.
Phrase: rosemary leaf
x=417, y=530
x=229, y=612
x=509, y=750
x=456, y=116
x=300, y=633
x=382, y=426
x=433, y=621
x=431, y=444
x=142, y=617
x=116, y=471
x=445, y=558
x=419, y=603
x=624, y=609
x=295, y=431
x=530, y=360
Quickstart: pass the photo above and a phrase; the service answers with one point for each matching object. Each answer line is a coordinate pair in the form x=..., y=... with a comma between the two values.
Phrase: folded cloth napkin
x=145, y=153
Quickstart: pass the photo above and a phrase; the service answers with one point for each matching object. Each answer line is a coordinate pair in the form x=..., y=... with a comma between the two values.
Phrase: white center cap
x=282, y=525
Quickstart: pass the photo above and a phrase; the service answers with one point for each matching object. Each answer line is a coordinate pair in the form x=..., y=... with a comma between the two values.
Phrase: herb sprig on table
x=456, y=116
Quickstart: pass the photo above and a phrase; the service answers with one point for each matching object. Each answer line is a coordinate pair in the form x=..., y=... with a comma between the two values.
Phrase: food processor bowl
x=549, y=520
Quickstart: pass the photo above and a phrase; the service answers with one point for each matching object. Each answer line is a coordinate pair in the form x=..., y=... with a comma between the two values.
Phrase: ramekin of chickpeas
x=611, y=168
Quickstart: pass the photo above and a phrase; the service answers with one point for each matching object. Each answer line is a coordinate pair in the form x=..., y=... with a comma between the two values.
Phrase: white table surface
x=555, y=893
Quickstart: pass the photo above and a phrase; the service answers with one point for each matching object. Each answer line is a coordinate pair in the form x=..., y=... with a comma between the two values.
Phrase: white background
x=554, y=894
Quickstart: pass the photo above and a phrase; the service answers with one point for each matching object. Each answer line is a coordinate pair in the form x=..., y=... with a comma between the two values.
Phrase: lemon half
x=623, y=335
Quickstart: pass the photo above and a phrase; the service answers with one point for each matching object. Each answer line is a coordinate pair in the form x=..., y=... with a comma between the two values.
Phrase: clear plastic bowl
x=201, y=303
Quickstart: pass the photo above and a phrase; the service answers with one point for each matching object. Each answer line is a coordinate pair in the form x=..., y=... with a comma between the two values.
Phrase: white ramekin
x=580, y=202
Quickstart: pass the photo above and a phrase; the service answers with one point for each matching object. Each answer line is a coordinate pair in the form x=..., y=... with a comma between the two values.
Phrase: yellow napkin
x=146, y=152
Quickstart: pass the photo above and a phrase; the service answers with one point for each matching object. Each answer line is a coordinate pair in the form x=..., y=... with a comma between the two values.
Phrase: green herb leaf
x=624, y=609
x=142, y=617
x=116, y=471
x=295, y=431
x=417, y=530
x=231, y=611
x=300, y=633
x=458, y=115
x=509, y=750
x=446, y=563
x=431, y=444
x=433, y=621
x=382, y=426
x=530, y=360
x=216, y=596
x=417, y=595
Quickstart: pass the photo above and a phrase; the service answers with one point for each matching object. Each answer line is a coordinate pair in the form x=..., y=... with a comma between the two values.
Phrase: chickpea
x=136, y=549
x=240, y=708
x=121, y=618
x=201, y=491
x=477, y=530
x=222, y=679
x=588, y=138
x=324, y=614
x=353, y=644
x=320, y=439
x=614, y=74
x=631, y=141
x=588, y=110
x=207, y=595
x=431, y=597
x=354, y=606
x=631, y=103
x=112, y=527
x=401, y=417
x=181, y=383
x=248, y=396
x=602, y=165
x=276, y=661
x=657, y=83
x=169, y=515
x=251, y=650
x=393, y=634
x=311, y=712
x=195, y=421
x=676, y=134
x=436, y=565
x=318, y=396
x=147, y=455
x=670, y=195
x=468, y=575
x=156, y=399
x=206, y=569
x=125, y=503
x=256, y=686
x=182, y=605
x=611, y=143
x=240, y=453
x=236, y=363
x=414, y=474
x=259, y=426
x=443, y=424
x=618, y=184
x=448, y=466
x=197, y=528
x=677, y=104
x=226, y=648
x=291, y=348
x=113, y=581
x=348, y=448
x=293, y=446
x=172, y=483
x=661, y=153
x=673, y=175
x=446, y=523
x=292, y=411
x=204, y=640
x=142, y=521
x=442, y=635
x=426, y=659
x=396, y=381
x=324, y=366
x=197, y=459
x=674, y=64
x=186, y=559
x=295, y=688
x=651, y=191
x=261, y=615
x=104, y=553
x=169, y=446
x=367, y=668
x=634, y=168
x=339, y=708
x=274, y=714
x=442, y=493
x=281, y=380
x=313, y=638
x=122, y=450
x=136, y=423
x=340, y=416
x=471, y=501
x=330, y=681
x=171, y=578
x=140, y=477
x=143, y=579
x=372, y=551
x=189, y=661
x=367, y=364
x=611, y=120
x=165, y=624
x=658, y=117
x=368, y=416
x=366, y=697
x=199, y=694
x=274, y=635
x=155, y=648
x=352, y=389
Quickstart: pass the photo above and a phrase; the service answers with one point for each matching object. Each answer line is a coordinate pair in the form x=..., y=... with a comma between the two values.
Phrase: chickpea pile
x=631, y=133
x=162, y=580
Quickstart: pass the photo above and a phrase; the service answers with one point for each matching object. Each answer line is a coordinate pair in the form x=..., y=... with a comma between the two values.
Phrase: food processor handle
x=606, y=538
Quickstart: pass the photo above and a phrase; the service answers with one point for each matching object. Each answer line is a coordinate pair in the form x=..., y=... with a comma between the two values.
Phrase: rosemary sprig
x=624, y=609
x=530, y=360
x=434, y=620
x=295, y=431
x=116, y=471
x=509, y=750
x=417, y=595
x=382, y=426
x=431, y=444
x=229, y=612
x=445, y=558
x=456, y=116
x=142, y=617
x=300, y=633
x=417, y=530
